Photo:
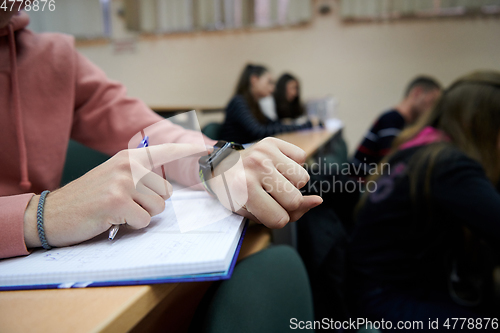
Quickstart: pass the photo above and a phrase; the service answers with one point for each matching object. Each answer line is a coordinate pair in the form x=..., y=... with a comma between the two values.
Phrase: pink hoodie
x=50, y=93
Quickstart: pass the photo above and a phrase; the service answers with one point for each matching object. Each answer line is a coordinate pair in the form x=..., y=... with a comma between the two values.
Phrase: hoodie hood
x=17, y=22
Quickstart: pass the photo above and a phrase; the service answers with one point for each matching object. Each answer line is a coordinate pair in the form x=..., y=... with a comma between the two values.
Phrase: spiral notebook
x=194, y=239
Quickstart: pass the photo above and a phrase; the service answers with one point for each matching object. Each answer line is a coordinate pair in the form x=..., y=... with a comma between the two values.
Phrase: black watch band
x=208, y=163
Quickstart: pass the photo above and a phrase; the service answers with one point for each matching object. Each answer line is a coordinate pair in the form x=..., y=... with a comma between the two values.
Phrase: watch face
x=222, y=151
x=220, y=144
x=219, y=154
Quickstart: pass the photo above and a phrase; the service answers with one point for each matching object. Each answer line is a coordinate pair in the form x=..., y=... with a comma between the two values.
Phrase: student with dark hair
x=420, y=95
x=245, y=122
x=409, y=235
x=287, y=98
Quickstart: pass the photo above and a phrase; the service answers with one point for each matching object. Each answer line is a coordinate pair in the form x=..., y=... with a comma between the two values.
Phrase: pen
x=114, y=229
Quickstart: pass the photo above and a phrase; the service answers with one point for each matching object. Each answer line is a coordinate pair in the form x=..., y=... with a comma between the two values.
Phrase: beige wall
x=366, y=66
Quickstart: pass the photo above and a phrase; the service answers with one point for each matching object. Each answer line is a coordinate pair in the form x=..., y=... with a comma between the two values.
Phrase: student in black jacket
x=407, y=247
x=245, y=122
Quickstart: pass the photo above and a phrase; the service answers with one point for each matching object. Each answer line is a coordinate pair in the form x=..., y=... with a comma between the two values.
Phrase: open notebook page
x=160, y=250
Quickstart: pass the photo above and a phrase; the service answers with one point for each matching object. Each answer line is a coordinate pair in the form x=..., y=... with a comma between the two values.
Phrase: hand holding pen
x=114, y=229
x=108, y=194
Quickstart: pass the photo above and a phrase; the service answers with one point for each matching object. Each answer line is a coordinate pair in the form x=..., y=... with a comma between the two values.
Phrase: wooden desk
x=309, y=140
x=112, y=309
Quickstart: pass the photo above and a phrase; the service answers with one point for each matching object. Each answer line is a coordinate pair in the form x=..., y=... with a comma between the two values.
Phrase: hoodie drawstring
x=21, y=143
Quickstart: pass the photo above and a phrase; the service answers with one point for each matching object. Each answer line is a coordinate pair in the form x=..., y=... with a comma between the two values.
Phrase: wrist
x=31, y=238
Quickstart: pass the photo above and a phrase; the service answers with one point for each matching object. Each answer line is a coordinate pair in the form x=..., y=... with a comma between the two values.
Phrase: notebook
x=194, y=239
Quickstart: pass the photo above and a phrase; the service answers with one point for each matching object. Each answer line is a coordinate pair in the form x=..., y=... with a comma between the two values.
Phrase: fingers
x=273, y=153
x=147, y=197
x=152, y=203
x=290, y=150
x=136, y=216
x=273, y=166
x=308, y=202
x=256, y=211
x=155, y=156
x=140, y=207
x=266, y=209
x=156, y=184
x=295, y=173
x=287, y=195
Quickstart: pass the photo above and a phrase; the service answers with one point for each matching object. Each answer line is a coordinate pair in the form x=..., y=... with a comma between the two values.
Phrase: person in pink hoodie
x=51, y=93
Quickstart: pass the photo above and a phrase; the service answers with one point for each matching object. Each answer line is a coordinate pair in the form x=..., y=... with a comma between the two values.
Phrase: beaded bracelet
x=39, y=221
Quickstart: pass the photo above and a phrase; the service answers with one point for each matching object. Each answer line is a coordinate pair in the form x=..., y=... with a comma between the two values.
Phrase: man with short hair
x=420, y=96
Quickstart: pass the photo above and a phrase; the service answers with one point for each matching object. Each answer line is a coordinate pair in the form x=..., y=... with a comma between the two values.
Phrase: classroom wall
x=364, y=65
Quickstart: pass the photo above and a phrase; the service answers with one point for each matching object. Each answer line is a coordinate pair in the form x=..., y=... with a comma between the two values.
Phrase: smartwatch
x=208, y=163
